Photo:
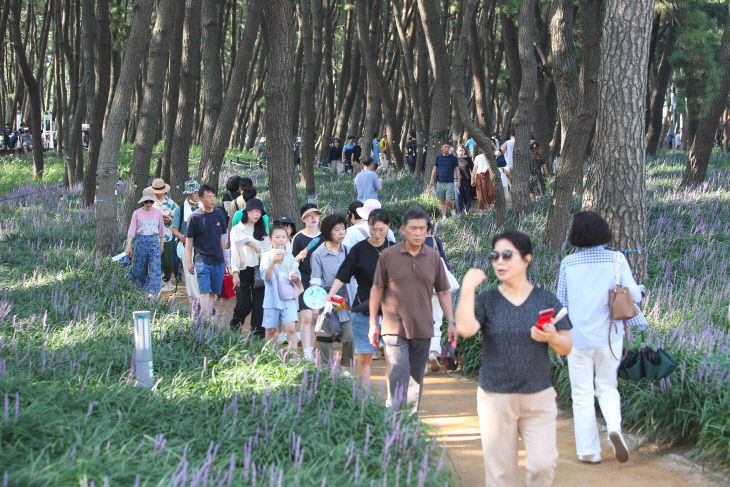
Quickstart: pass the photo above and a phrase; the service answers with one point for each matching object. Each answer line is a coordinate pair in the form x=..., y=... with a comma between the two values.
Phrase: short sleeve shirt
x=512, y=362
x=446, y=166
x=300, y=242
x=408, y=283
x=206, y=230
x=367, y=184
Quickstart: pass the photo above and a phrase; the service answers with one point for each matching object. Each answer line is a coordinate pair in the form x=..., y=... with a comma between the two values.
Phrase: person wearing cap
x=179, y=227
x=248, y=241
x=261, y=152
x=167, y=206
x=404, y=280
x=291, y=229
x=148, y=229
x=367, y=182
x=445, y=172
x=303, y=244
x=206, y=235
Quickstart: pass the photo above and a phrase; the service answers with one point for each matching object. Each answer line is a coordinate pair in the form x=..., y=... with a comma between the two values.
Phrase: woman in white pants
x=585, y=279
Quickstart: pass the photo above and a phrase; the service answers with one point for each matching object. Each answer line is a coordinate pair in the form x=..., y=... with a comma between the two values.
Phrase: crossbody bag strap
x=617, y=267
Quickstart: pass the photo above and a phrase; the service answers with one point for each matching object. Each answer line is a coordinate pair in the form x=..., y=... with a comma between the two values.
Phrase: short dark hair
x=379, y=215
x=520, y=240
x=352, y=210
x=588, y=230
x=244, y=183
x=205, y=188
x=368, y=161
x=415, y=213
x=328, y=223
x=412, y=133
x=279, y=226
x=233, y=184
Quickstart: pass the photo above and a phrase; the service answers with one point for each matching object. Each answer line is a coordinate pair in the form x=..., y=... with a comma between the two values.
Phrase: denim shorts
x=360, y=329
x=445, y=191
x=210, y=277
x=274, y=316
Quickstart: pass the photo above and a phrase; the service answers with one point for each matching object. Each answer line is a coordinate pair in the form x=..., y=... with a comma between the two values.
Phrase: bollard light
x=143, y=348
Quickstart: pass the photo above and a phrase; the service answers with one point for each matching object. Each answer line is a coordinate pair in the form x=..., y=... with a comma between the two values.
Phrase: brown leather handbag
x=620, y=304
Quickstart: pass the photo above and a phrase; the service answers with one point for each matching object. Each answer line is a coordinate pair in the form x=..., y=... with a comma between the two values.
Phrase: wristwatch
x=450, y=322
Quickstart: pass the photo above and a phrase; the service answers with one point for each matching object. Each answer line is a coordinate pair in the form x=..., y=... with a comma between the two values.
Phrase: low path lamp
x=143, y=348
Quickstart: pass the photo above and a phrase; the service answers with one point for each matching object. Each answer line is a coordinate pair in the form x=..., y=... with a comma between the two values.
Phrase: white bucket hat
x=367, y=207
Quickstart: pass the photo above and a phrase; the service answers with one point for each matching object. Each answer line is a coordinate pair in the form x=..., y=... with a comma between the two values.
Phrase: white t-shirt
x=480, y=164
x=509, y=148
x=678, y=139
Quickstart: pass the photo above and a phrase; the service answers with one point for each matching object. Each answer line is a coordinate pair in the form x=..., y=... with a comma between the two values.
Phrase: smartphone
x=545, y=317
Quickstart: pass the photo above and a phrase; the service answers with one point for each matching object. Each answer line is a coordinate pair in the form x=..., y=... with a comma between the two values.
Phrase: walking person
x=515, y=395
x=359, y=265
x=356, y=156
x=482, y=180
x=466, y=166
x=179, y=229
x=347, y=153
x=375, y=150
x=405, y=277
x=167, y=206
x=437, y=313
x=538, y=172
x=585, y=279
x=205, y=249
x=411, y=152
x=148, y=229
x=248, y=241
x=326, y=261
x=508, y=149
x=445, y=172
x=367, y=183
x=304, y=243
x=334, y=157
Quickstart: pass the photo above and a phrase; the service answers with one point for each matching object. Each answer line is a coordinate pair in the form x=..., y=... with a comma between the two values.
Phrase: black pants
x=411, y=160
x=249, y=300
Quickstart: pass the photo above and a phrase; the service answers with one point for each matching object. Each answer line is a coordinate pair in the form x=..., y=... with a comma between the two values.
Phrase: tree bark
x=524, y=115
x=701, y=149
x=32, y=83
x=187, y=100
x=582, y=121
x=510, y=43
x=616, y=186
x=278, y=31
x=102, y=67
x=171, y=100
x=565, y=72
x=438, y=127
x=658, y=92
x=151, y=105
x=212, y=75
x=107, y=225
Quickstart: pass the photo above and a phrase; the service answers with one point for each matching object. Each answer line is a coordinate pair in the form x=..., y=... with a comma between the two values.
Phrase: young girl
x=148, y=228
x=247, y=243
x=291, y=229
x=283, y=285
x=326, y=261
x=304, y=243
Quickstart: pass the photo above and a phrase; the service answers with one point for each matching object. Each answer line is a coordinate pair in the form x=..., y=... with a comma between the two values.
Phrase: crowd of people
x=20, y=140
x=395, y=296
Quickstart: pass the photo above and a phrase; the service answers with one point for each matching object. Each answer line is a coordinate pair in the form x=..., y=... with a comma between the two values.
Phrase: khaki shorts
x=445, y=191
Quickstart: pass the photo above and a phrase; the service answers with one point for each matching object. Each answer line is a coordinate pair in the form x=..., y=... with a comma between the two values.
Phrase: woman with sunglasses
x=515, y=396
x=148, y=229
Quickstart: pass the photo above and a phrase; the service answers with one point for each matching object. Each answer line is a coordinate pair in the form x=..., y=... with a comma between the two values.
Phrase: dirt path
x=449, y=405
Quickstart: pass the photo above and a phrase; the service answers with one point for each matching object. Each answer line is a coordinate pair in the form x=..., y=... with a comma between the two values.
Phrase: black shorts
x=303, y=306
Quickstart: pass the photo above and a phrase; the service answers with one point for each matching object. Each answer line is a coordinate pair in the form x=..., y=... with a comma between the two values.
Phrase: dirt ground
x=449, y=406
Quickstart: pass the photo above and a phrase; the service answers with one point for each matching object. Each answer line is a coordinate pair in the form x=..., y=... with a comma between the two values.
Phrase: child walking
x=282, y=287
x=148, y=228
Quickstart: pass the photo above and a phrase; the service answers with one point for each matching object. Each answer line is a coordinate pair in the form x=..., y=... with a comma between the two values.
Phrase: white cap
x=367, y=207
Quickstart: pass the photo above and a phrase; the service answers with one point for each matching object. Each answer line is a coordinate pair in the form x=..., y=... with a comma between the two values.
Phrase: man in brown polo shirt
x=405, y=277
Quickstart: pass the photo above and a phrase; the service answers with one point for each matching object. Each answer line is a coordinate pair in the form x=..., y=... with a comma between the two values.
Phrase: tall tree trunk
x=701, y=149
x=524, y=115
x=510, y=43
x=151, y=106
x=343, y=130
x=102, y=68
x=481, y=136
x=279, y=51
x=212, y=76
x=173, y=88
x=32, y=83
x=187, y=99
x=438, y=127
x=658, y=92
x=107, y=224
x=214, y=147
x=616, y=186
x=582, y=121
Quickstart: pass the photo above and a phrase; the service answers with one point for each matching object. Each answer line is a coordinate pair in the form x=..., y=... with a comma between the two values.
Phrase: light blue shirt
x=367, y=184
x=585, y=279
x=471, y=145
x=271, y=291
x=375, y=153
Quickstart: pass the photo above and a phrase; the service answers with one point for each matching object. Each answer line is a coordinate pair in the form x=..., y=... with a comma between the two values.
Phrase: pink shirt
x=146, y=223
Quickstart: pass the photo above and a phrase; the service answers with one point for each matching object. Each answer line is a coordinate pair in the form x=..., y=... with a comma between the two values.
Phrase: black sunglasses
x=494, y=255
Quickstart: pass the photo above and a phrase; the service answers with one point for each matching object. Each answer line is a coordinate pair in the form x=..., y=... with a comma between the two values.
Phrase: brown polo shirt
x=409, y=283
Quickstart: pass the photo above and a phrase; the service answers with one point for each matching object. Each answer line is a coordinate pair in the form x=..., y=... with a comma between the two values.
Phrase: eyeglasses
x=148, y=201
x=494, y=256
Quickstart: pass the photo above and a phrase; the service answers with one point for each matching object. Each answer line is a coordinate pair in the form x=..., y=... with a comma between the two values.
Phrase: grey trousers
x=406, y=366
x=348, y=346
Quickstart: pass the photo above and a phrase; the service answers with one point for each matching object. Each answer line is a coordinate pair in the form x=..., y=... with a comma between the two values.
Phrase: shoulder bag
x=620, y=305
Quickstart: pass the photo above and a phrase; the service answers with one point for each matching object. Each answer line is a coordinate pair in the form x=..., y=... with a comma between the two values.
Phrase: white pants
x=593, y=373
x=438, y=318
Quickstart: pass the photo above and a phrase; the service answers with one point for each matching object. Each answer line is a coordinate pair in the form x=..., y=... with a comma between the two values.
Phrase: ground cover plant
x=223, y=412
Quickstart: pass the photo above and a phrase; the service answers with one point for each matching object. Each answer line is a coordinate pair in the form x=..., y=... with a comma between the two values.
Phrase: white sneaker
x=433, y=359
x=169, y=286
x=453, y=212
x=427, y=371
x=282, y=338
x=299, y=337
x=346, y=373
x=308, y=355
x=594, y=458
x=443, y=218
x=619, y=446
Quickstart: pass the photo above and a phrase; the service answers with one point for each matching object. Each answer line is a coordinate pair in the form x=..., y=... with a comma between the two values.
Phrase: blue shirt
x=206, y=230
x=471, y=145
x=367, y=184
x=271, y=290
x=446, y=166
x=375, y=153
x=585, y=278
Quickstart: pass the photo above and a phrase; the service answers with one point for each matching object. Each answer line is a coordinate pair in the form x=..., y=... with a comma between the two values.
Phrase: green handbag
x=647, y=363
